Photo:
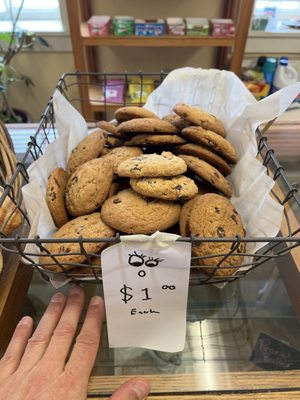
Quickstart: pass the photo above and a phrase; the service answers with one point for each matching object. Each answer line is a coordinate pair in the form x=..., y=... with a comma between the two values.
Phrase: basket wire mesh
x=75, y=88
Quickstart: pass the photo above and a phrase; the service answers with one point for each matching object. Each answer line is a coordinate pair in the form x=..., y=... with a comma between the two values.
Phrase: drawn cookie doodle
x=138, y=260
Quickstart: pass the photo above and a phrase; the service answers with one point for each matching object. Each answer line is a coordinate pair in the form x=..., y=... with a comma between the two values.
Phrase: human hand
x=35, y=365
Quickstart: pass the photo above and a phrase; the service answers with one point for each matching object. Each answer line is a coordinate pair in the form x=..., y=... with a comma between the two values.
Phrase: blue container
x=269, y=69
x=149, y=28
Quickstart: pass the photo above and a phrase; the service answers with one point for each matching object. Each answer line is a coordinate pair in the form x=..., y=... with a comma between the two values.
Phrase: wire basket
x=88, y=92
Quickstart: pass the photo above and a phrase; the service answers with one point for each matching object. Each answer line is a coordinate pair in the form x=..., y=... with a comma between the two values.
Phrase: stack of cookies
x=140, y=174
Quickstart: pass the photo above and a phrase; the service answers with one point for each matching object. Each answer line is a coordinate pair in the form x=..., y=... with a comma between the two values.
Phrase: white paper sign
x=145, y=289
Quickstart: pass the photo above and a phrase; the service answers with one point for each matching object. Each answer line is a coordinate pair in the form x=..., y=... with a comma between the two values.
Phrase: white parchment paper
x=219, y=92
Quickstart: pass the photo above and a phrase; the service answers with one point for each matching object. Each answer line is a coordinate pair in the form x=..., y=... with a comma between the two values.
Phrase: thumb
x=134, y=389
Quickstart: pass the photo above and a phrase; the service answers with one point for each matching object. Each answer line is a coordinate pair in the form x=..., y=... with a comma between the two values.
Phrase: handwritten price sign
x=145, y=289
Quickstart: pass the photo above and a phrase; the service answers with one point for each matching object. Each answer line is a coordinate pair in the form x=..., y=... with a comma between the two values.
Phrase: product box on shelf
x=99, y=25
x=222, y=27
x=144, y=27
x=175, y=26
x=197, y=26
x=114, y=91
x=137, y=92
x=123, y=25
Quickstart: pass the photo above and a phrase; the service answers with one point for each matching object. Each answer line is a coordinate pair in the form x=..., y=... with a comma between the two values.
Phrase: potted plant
x=11, y=43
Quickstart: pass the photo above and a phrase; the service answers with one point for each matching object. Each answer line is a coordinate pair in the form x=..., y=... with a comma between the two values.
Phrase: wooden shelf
x=85, y=46
x=154, y=41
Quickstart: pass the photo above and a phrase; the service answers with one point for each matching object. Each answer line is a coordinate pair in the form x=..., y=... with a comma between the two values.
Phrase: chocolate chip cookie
x=174, y=188
x=88, y=148
x=55, y=196
x=152, y=165
x=120, y=154
x=208, y=173
x=87, y=226
x=88, y=187
x=132, y=213
x=133, y=112
x=211, y=140
x=197, y=116
x=146, y=125
x=205, y=154
x=214, y=216
x=146, y=139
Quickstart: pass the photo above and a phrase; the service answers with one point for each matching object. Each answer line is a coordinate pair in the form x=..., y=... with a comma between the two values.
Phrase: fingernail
x=25, y=321
x=76, y=290
x=57, y=298
x=141, y=388
x=95, y=300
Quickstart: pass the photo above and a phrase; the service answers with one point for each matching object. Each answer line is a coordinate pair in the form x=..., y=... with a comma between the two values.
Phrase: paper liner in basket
x=222, y=94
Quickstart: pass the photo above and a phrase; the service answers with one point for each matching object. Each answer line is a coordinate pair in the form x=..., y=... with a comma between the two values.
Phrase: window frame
x=59, y=41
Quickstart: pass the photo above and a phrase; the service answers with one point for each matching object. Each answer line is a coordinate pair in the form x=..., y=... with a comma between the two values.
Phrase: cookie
x=208, y=173
x=185, y=215
x=88, y=148
x=205, y=154
x=118, y=185
x=177, y=121
x=132, y=213
x=132, y=112
x=88, y=187
x=211, y=140
x=174, y=188
x=10, y=215
x=87, y=226
x=120, y=154
x=152, y=165
x=55, y=196
x=214, y=216
x=199, y=117
x=146, y=139
x=112, y=141
x=109, y=127
x=146, y=125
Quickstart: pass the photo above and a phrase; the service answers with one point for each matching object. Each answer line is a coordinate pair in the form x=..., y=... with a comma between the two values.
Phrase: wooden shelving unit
x=84, y=45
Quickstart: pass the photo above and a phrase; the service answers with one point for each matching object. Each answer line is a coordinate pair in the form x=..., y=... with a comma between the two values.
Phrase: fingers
x=61, y=341
x=135, y=389
x=14, y=352
x=40, y=339
x=85, y=349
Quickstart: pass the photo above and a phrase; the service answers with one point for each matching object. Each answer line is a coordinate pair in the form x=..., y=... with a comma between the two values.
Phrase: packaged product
x=197, y=26
x=144, y=27
x=98, y=25
x=114, y=91
x=175, y=26
x=139, y=90
x=222, y=27
x=123, y=25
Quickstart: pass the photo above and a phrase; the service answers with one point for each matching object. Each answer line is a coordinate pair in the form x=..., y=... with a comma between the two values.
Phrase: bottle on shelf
x=269, y=68
x=285, y=74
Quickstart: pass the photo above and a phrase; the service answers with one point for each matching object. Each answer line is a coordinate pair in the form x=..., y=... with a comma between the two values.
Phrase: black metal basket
x=81, y=89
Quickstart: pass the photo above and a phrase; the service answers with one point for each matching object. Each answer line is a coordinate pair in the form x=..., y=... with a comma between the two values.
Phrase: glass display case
x=242, y=341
